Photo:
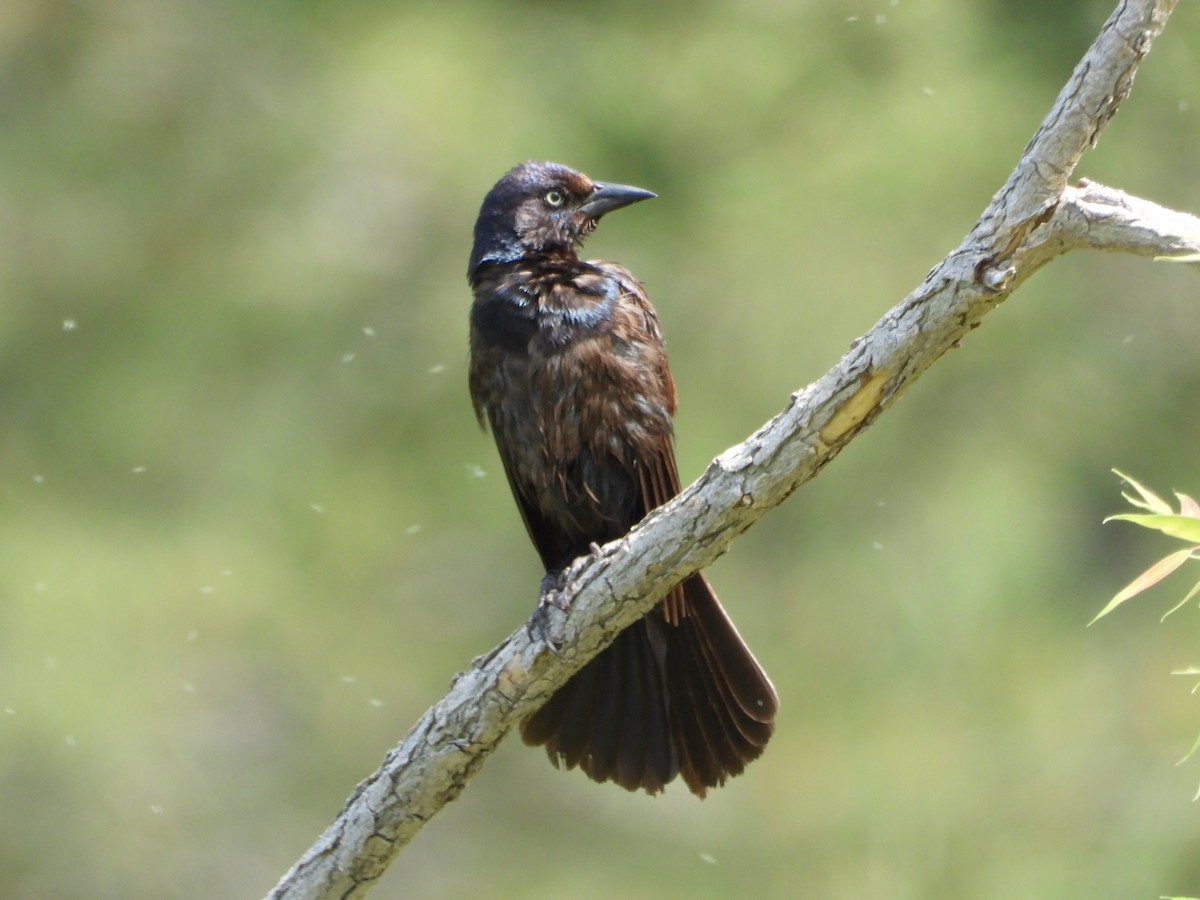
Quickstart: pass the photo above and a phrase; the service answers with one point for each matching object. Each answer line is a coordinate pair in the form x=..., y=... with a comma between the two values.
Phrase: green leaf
x=1190, y=594
x=1150, y=500
x=1182, y=527
x=1188, y=755
x=1147, y=579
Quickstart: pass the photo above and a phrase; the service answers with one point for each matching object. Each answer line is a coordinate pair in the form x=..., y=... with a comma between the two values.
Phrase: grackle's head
x=540, y=207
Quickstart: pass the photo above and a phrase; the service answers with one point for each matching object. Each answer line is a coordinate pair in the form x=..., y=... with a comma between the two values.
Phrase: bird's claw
x=551, y=595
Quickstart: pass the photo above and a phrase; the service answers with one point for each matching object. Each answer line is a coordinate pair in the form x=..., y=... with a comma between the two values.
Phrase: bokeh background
x=250, y=529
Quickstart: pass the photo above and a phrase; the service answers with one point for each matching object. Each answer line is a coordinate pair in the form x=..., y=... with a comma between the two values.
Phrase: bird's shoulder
x=631, y=314
x=562, y=298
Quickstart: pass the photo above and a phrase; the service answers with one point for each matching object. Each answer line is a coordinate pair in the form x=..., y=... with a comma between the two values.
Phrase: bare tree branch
x=1035, y=217
x=1103, y=218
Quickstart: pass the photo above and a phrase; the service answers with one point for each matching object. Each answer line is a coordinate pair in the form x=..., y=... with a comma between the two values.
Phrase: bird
x=568, y=369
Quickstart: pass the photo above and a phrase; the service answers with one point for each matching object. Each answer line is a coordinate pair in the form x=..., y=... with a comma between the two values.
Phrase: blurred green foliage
x=250, y=529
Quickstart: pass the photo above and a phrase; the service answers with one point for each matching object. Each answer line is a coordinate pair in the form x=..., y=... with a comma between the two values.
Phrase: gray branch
x=1035, y=217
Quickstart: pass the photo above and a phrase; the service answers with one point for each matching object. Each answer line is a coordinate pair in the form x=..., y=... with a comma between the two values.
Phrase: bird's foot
x=550, y=596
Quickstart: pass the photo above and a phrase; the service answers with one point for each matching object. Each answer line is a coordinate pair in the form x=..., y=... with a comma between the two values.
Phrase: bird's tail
x=679, y=692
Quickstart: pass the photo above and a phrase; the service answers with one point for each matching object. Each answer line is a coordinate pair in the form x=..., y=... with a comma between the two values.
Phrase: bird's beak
x=607, y=197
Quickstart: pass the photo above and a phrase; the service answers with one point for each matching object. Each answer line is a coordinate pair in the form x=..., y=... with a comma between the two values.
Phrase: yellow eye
x=554, y=197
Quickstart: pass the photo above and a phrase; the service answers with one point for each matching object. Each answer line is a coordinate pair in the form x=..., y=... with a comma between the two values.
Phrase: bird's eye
x=554, y=197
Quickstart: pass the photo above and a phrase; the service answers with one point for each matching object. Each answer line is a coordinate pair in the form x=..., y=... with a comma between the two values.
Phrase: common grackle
x=569, y=369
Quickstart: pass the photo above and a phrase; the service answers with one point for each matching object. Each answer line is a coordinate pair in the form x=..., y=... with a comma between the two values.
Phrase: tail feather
x=744, y=729
x=573, y=736
x=661, y=756
x=748, y=684
x=610, y=726
x=702, y=723
x=678, y=694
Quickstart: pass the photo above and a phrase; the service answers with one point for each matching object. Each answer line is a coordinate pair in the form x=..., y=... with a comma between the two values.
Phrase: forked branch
x=1036, y=216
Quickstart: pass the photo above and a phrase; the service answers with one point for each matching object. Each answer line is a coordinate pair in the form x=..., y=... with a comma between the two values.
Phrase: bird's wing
x=551, y=541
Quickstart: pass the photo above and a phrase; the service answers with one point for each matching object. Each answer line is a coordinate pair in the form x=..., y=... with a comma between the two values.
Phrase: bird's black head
x=539, y=207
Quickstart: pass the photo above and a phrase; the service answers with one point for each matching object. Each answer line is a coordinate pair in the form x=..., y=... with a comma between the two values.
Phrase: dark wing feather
x=549, y=539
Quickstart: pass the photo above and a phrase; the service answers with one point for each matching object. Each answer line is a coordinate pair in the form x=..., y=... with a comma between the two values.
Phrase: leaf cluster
x=1183, y=525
